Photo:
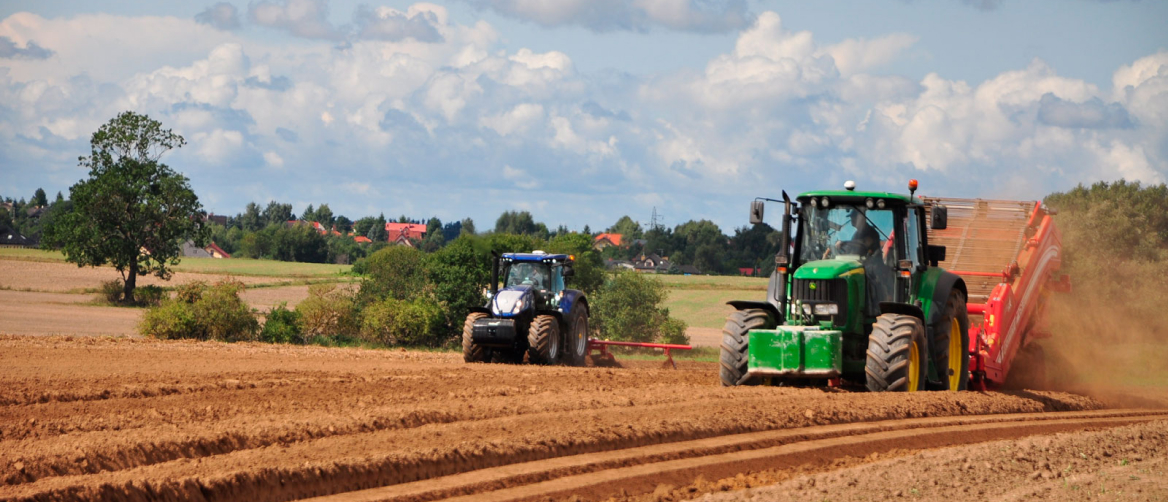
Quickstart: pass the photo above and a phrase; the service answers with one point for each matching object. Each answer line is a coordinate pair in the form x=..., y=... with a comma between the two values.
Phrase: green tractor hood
x=827, y=269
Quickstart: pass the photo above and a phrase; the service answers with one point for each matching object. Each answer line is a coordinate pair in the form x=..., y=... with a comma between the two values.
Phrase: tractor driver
x=864, y=242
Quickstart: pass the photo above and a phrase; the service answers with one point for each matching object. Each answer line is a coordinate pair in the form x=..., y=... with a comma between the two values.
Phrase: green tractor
x=856, y=297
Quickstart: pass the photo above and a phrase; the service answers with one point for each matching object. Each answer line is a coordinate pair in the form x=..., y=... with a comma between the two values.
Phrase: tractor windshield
x=537, y=275
x=845, y=231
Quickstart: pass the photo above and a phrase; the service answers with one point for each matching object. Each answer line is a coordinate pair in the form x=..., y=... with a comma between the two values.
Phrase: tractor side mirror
x=940, y=217
x=756, y=212
x=569, y=271
x=936, y=254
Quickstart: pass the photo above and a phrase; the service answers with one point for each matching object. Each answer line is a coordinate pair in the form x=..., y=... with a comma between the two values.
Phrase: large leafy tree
x=133, y=212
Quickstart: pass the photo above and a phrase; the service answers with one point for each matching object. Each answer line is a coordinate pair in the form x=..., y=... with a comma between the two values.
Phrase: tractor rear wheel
x=734, y=344
x=896, y=354
x=577, y=339
x=543, y=339
x=472, y=352
x=951, y=344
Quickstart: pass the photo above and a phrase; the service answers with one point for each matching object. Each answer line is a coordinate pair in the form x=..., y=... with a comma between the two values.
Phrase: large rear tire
x=543, y=339
x=951, y=344
x=896, y=354
x=472, y=352
x=734, y=344
x=577, y=338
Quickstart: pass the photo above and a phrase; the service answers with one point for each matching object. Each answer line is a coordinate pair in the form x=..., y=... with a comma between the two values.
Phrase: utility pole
x=653, y=222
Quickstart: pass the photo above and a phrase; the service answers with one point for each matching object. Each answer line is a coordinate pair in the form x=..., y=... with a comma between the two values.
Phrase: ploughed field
x=124, y=419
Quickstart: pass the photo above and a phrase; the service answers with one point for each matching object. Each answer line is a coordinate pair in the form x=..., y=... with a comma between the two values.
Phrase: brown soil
x=25, y=313
x=32, y=313
x=57, y=277
x=704, y=337
x=96, y=418
x=266, y=298
x=1124, y=463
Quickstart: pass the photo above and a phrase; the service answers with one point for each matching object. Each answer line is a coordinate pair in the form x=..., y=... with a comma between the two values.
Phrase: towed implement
x=859, y=293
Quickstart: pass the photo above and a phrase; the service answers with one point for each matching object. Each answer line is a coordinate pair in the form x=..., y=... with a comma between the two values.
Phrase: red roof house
x=605, y=240
x=216, y=251
x=361, y=239
x=409, y=231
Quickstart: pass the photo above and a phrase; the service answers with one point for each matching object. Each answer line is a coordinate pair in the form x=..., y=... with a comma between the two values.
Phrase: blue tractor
x=533, y=315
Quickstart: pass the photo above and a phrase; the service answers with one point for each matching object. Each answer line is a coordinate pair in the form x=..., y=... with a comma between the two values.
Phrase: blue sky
x=585, y=110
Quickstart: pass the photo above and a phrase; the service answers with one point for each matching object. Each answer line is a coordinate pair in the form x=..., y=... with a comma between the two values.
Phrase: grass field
x=706, y=308
x=733, y=282
x=233, y=266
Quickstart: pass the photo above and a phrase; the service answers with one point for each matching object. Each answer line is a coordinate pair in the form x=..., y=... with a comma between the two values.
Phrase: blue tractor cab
x=529, y=312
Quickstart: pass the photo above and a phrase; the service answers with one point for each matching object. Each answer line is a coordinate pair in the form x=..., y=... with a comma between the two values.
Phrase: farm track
x=128, y=419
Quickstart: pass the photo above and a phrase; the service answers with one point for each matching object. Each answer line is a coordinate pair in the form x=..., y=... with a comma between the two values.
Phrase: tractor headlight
x=825, y=202
x=826, y=309
x=518, y=307
x=870, y=203
x=880, y=203
x=814, y=202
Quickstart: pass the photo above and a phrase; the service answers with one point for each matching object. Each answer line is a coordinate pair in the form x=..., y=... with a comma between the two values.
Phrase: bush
x=458, y=273
x=111, y=291
x=282, y=326
x=328, y=311
x=203, y=312
x=628, y=307
x=417, y=322
x=394, y=272
x=673, y=331
x=149, y=296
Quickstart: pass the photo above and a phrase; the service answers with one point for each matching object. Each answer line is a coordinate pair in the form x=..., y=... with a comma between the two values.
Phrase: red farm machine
x=896, y=292
x=1009, y=255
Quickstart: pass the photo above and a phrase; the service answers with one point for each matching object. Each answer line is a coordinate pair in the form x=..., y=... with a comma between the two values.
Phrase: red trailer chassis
x=1009, y=253
x=601, y=346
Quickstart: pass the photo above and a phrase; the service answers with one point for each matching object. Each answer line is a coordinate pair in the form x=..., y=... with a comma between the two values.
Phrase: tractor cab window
x=845, y=231
x=536, y=275
x=557, y=278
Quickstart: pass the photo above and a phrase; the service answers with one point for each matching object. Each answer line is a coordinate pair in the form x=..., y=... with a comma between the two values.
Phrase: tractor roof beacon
x=532, y=317
x=858, y=295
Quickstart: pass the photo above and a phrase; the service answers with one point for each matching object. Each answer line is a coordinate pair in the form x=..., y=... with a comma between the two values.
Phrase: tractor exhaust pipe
x=784, y=257
x=494, y=273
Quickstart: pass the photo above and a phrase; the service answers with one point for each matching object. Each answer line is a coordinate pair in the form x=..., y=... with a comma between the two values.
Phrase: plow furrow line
x=642, y=469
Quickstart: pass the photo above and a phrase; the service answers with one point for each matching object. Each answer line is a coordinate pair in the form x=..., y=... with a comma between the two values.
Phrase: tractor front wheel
x=735, y=341
x=951, y=344
x=543, y=339
x=472, y=352
x=896, y=354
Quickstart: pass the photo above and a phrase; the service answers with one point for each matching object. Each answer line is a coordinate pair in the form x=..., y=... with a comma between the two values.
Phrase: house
x=689, y=270
x=606, y=240
x=651, y=264
x=405, y=231
x=361, y=239
x=216, y=251
x=190, y=250
x=747, y=271
x=612, y=264
x=217, y=219
x=11, y=238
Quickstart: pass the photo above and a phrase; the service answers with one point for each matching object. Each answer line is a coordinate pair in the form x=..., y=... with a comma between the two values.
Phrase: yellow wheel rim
x=914, y=368
x=954, y=355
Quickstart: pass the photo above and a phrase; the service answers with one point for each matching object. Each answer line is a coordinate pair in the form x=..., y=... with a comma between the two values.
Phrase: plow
x=896, y=292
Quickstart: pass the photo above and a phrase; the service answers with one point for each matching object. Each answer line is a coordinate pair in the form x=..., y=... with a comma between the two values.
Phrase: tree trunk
x=131, y=280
